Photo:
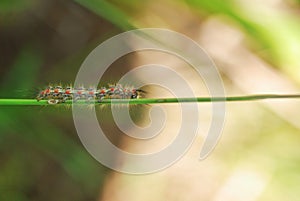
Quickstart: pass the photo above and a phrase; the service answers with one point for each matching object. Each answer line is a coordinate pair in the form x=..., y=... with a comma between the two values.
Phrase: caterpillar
x=59, y=94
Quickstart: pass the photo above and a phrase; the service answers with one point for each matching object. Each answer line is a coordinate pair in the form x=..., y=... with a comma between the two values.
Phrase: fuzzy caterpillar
x=59, y=94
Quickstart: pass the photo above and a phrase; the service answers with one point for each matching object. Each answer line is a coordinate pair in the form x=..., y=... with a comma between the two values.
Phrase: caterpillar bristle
x=55, y=94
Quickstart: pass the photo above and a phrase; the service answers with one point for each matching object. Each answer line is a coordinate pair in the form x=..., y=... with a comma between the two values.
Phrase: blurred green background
x=45, y=41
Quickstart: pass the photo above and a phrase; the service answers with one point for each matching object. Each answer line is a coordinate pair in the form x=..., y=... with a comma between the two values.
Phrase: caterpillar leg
x=90, y=99
x=100, y=99
x=52, y=101
x=134, y=96
x=76, y=98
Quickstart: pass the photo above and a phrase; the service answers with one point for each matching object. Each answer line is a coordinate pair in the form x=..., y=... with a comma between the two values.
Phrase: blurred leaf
x=32, y=131
x=73, y=157
x=109, y=12
x=23, y=73
x=12, y=195
x=8, y=6
x=12, y=173
x=277, y=33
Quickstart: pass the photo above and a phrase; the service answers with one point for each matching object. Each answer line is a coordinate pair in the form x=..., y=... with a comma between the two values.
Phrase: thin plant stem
x=15, y=102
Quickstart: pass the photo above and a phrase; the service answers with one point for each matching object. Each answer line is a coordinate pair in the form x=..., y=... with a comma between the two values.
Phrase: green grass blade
x=7, y=102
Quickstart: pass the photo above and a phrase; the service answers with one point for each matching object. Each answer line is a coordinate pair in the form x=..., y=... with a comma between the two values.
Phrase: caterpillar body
x=59, y=94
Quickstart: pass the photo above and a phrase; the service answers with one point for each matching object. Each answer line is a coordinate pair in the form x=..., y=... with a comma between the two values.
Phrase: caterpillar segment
x=59, y=94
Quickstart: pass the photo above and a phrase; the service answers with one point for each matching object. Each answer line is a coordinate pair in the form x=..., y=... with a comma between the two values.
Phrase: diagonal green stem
x=155, y=100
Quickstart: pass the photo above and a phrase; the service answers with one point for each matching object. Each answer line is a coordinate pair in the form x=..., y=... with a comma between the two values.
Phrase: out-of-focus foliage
x=46, y=41
x=8, y=6
x=109, y=12
x=40, y=153
x=275, y=32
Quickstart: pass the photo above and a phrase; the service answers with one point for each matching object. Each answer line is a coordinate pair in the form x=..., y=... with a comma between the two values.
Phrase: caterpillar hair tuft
x=59, y=94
